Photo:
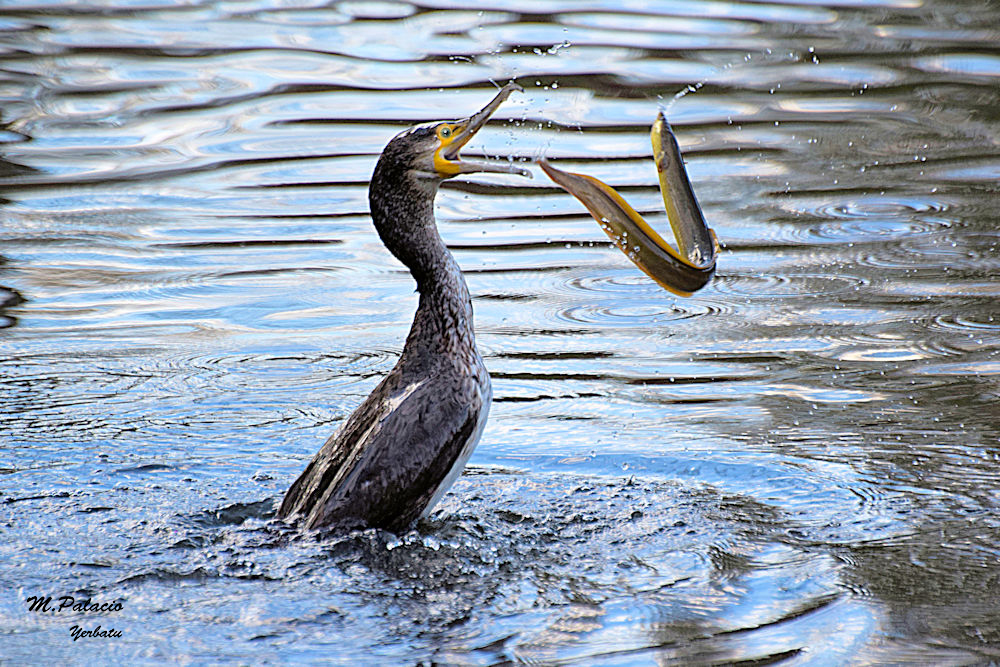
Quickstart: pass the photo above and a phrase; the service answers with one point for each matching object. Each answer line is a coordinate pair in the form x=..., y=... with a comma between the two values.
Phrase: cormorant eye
x=445, y=132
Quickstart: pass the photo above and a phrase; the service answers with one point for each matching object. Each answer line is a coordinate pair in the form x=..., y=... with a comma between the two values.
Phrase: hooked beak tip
x=472, y=125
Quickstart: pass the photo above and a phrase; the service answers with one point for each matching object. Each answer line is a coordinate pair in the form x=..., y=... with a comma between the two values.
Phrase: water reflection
x=8, y=299
x=799, y=460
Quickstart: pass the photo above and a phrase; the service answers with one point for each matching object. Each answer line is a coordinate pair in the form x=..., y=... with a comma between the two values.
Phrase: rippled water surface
x=799, y=464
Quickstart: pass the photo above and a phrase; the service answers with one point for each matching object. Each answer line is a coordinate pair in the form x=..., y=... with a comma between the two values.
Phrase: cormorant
x=400, y=451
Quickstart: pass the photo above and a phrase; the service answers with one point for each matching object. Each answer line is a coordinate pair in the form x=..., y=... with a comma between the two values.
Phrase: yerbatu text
x=77, y=632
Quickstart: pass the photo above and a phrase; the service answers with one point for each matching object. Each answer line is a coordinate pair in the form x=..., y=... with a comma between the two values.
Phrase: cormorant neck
x=402, y=207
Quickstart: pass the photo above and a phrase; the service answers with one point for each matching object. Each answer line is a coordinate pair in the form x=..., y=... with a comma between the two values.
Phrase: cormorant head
x=431, y=150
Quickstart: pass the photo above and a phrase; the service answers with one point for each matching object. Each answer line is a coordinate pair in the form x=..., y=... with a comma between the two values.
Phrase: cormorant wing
x=391, y=456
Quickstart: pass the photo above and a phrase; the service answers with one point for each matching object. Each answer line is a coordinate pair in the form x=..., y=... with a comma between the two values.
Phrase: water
x=797, y=464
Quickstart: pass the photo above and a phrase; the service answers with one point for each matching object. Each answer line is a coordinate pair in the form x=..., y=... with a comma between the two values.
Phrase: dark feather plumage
x=397, y=454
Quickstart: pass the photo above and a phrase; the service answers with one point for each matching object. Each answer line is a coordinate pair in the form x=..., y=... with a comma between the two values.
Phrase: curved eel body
x=682, y=272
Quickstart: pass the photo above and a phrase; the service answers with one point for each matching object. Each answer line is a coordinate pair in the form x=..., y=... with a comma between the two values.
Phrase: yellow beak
x=446, y=158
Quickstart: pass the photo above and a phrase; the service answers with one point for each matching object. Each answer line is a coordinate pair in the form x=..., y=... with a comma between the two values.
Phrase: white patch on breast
x=466, y=453
x=396, y=400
